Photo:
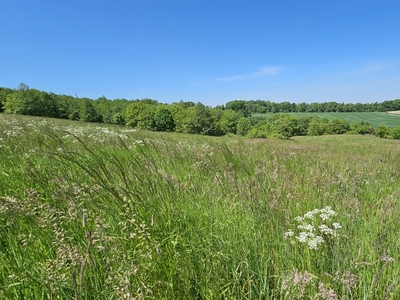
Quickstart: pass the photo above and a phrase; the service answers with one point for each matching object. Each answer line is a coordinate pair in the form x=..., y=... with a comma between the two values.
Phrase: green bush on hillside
x=383, y=132
x=317, y=126
x=396, y=133
x=338, y=126
x=243, y=126
x=362, y=128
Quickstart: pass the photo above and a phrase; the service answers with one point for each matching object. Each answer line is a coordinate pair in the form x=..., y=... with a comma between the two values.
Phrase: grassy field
x=97, y=212
x=374, y=118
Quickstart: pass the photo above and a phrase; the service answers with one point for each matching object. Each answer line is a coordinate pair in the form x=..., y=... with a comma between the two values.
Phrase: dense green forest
x=235, y=117
x=261, y=106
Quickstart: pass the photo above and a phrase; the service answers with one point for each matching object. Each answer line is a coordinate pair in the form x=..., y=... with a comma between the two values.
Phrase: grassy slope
x=374, y=118
x=98, y=212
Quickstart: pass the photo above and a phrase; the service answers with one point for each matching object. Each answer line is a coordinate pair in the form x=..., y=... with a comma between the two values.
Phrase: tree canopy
x=239, y=117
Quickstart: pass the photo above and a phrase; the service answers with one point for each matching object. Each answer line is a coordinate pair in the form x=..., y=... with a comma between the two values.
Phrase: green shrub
x=382, y=131
x=338, y=126
x=317, y=127
x=396, y=133
x=243, y=126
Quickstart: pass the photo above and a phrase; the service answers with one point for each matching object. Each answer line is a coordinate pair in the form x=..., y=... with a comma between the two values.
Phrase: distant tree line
x=262, y=106
x=235, y=117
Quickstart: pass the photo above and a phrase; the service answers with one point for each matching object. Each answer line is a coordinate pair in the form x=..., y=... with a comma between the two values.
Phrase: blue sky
x=212, y=51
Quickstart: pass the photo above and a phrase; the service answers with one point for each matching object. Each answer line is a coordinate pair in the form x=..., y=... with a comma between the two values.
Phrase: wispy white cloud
x=377, y=66
x=264, y=71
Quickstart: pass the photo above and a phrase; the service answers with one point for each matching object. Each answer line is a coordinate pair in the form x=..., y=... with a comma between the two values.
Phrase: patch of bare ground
x=394, y=112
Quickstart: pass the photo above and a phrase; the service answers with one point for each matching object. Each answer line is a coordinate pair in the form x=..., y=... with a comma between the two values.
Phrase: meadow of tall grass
x=97, y=212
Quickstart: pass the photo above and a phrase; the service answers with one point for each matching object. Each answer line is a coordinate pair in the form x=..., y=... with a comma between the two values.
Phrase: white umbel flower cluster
x=314, y=228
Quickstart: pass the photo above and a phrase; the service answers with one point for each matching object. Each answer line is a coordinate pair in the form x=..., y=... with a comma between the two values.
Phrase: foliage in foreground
x=91, y=212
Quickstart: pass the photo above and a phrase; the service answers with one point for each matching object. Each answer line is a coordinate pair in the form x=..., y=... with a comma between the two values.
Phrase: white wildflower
x=313, y=228
x=325, y=229
x=289, y=233
x=336, y=225
x=299, y=219
x=324, y=216
x=328, y=210
x=313, y=243
x=307, y=227
x=309, y=215
x=303, y=237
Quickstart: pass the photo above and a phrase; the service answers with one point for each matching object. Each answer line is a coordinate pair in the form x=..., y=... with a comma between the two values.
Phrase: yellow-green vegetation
x=394, y=112
x=102, y=212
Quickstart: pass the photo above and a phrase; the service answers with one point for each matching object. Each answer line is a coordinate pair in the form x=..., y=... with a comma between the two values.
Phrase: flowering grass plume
x=314, y=228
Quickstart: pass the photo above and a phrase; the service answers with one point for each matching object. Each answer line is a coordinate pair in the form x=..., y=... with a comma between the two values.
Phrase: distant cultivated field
x=374, y=118
x=394, y=112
